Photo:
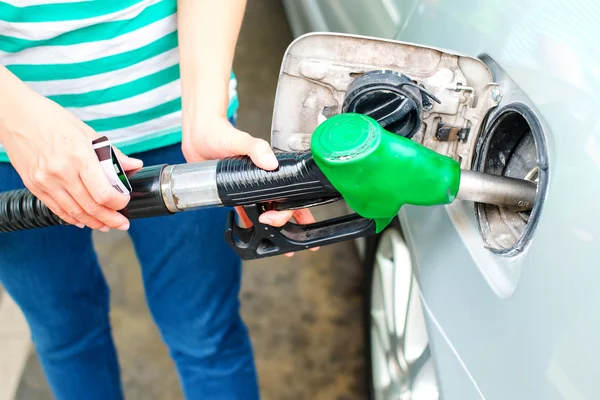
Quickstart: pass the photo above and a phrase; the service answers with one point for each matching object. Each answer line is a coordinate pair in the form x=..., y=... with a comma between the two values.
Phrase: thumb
x=259, y=150
x=128, y=163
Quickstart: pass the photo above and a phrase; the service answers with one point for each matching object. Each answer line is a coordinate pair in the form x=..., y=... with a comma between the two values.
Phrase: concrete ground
x=304, y=313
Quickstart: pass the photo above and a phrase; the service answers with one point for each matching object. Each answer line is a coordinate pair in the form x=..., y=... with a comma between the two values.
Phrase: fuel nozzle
x=377, y=172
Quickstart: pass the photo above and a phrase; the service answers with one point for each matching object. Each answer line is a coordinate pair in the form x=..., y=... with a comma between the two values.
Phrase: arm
x=52, y=152
x=208, y=32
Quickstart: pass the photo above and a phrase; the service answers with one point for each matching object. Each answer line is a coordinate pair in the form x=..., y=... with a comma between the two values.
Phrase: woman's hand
x=52, y=152
x=208, y=33
x=217, y=139
x=213, y=138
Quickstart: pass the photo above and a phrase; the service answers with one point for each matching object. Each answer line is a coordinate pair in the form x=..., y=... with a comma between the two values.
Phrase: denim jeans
x=191, y=278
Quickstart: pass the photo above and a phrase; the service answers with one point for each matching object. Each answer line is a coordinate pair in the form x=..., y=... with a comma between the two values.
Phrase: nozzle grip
x=298, y=178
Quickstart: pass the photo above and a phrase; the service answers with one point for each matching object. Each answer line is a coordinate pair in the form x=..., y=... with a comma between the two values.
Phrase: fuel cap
x=392, y=99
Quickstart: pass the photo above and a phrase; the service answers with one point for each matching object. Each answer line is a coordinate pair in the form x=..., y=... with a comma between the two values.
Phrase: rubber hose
x=20, y=210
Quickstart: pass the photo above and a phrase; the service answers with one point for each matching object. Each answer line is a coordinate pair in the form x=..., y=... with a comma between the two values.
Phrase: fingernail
x=271, y=160
x=315, y=249
x=124, y=227
x=80, y=226
x=104, y=229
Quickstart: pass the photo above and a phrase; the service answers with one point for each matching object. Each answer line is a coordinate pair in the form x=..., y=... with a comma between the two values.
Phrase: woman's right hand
x=52, y=152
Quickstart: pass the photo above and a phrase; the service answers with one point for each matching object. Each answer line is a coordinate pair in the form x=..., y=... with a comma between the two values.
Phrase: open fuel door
x=399, y=84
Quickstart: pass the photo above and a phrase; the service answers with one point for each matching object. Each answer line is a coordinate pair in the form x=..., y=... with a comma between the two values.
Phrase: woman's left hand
x=217, y=138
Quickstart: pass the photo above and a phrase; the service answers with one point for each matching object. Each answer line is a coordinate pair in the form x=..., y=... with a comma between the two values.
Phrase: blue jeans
x=191, y=278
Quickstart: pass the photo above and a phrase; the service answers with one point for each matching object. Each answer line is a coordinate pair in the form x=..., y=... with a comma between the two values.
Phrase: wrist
x=206, y=98
x=204, y=124
x=196, y=118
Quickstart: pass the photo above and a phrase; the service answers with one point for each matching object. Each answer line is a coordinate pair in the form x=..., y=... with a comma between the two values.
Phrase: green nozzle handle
x=377, y=172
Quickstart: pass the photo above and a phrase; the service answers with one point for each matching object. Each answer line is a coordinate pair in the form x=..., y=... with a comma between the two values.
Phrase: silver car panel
x=540, y=340
x=380, y=18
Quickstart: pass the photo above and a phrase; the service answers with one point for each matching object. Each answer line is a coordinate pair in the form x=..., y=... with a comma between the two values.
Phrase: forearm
x=208, y=31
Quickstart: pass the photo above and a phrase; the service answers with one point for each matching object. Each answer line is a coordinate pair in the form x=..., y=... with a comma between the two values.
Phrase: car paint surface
x=538, y=339
x=378, y=18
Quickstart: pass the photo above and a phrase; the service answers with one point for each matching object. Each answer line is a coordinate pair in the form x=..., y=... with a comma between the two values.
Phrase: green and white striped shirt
x=112, y=63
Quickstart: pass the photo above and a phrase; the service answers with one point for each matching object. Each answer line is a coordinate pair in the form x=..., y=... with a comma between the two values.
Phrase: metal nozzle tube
x=190, y=186
x=517, y=194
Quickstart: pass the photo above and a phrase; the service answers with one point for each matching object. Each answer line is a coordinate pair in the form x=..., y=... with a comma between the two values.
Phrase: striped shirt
x=113, y=63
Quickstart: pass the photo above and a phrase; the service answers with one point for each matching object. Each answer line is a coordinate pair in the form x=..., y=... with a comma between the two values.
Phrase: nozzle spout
x=517, y=194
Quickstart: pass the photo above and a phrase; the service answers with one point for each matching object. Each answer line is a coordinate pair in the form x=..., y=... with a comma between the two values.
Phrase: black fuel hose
x=162, y=190
x=20, y=210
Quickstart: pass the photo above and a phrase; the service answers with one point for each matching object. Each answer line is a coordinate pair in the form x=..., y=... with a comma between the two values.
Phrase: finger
x=262, y=155
x=72, y=208
x=98, y=186
x=280, y=218
x=128, y=163
x=105, y=215
x=304, y=217
x=276, y=218
x=242, y=143
x=56, y=209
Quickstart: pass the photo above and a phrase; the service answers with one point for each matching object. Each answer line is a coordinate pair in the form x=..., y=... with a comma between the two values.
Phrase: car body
x=521, y=324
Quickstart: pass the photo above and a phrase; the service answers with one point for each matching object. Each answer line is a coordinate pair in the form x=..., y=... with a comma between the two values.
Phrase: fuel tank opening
x=513, y=145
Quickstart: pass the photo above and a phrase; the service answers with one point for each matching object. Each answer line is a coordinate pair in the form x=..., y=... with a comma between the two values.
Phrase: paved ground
x=303, y=313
